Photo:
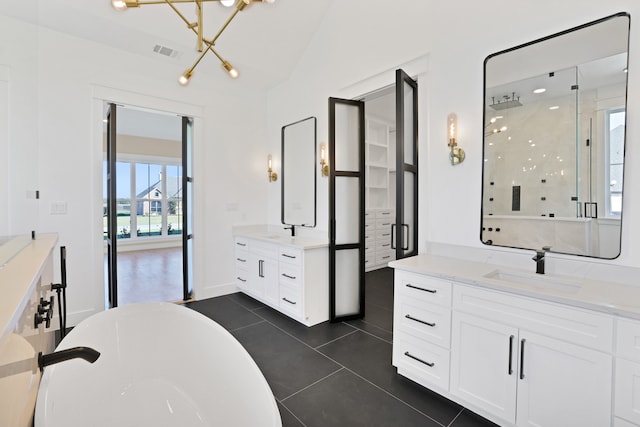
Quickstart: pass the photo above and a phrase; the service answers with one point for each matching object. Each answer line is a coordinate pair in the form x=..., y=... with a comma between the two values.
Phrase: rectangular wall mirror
x=299, y=173
x=554, y=137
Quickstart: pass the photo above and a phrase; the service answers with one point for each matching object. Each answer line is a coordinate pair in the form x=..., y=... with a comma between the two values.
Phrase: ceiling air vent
x=166, y=51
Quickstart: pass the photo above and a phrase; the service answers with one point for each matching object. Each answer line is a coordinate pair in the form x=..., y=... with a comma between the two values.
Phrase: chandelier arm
x=142, y=3
x=224, y=26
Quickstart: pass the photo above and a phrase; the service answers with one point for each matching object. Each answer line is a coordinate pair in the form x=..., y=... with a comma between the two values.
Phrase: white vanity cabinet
x=422, y=328
x=291, y=279
x=531, y=362
x=515, y=359
x=627, y=366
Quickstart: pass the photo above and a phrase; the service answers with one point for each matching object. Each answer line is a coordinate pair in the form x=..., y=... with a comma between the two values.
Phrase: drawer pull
x=386, y=257
x=385, y=213
x=431, y=291
x=290, y=302
x=424, y=322
x=510, y=371
x=241, y=260
x=289, y=277
x=384, y=245
x=289, y=256
x=241, y=244
x=429, y=364
x=386, y=234
x=522, y=341
x=241, y=279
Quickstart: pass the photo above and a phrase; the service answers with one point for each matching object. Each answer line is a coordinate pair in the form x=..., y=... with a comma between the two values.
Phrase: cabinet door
x=484, y=364
x=627, y=402
x=267, y=280
x=562, y=384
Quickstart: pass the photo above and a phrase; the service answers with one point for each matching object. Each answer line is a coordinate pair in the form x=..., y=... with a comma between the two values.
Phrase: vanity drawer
x=385, y=257
x=369, y=225
x=242, y=279
x=429, y=322
x=384, y=224
x=290, y=255
x=385, y=213
x=383, y=245
x=291, y=275
x=242, y=258
x=290, y=300
x=423, y=362
x=384, y=235
x=628, y=340
x=242, y=243
x=423, y=288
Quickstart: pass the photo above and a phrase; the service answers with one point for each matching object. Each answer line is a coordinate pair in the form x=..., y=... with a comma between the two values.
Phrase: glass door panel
x=346, y=209
x=406, y=226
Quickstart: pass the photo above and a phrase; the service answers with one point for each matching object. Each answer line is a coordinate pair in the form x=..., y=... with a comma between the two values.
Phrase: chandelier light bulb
x=233, y=73
x=119, y=5
x=227, y=3
x=185, y=77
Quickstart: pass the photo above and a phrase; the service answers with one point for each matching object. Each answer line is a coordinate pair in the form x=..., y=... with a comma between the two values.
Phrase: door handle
x=511, y=354
x=261, y=268
x=393, y=238
x=522, y=341
x=407, y=239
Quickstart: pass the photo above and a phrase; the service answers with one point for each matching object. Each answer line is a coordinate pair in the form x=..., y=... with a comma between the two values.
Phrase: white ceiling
x=264, y=41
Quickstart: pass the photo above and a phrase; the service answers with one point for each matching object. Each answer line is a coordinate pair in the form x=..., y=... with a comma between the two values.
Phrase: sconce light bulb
x=452, y=127
x=270, y=163
x=119, y=5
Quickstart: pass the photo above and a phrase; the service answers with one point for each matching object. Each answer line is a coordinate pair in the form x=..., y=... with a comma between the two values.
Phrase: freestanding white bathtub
x=160, y=365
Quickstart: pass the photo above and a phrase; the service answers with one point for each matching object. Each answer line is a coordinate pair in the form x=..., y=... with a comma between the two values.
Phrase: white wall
x=361, y=39
x=62, y=85
x=54, y=81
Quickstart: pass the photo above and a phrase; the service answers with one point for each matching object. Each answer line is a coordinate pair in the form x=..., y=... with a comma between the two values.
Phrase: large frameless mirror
x=554, y=137
x=299, y=173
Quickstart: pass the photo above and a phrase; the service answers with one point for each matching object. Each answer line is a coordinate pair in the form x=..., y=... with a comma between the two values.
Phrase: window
x=615, y=129
x=155, y=209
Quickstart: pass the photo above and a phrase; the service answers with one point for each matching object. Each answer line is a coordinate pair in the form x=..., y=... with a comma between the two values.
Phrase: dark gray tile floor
x=335, y=374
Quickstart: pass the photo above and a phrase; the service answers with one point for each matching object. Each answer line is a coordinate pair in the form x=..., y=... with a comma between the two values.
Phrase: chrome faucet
x=539, y=259
x=86, y=353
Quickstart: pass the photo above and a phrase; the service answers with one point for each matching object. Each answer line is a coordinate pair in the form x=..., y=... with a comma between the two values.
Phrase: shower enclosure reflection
x=554, y=141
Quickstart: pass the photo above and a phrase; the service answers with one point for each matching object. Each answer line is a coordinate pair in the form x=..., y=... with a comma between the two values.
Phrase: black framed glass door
x=346, y=209
x=405, y=231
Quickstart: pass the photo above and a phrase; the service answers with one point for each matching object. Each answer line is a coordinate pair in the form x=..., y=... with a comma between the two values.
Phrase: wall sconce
x=324, y=164
x=457, y=154
x=272, y=175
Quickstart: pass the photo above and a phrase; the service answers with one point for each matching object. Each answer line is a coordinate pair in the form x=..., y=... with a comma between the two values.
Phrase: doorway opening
x=145, y=205
x=373, y=194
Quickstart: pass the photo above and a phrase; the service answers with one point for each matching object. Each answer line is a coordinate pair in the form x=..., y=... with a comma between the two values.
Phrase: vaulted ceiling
x=264, y=42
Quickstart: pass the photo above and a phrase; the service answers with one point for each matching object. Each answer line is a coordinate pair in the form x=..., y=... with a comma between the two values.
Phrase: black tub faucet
x=539, y=259
x=86, y=353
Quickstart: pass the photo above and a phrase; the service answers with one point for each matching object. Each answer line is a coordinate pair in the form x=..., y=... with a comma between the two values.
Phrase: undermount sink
x=535, y=280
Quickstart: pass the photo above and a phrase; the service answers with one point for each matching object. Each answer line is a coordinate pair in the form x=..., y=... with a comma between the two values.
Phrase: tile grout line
x=455, y=418
x=313, y=383
x=245, y=326
x=385, y=391
x=370, y=333
x=336, y=339
x=292, y=414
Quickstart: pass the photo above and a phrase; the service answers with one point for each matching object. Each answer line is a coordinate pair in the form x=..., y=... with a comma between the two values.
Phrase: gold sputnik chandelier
x=203, y=44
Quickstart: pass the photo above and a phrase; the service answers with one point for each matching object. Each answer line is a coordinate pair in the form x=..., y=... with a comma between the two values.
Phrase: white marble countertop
x=612, y=298
x=19, y=277
x=306, y=239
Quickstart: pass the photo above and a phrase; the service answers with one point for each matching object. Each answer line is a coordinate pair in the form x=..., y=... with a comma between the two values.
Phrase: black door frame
x=333, y=173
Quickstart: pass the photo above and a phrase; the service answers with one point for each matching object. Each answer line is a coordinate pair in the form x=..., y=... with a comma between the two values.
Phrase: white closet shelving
x=380, y=195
